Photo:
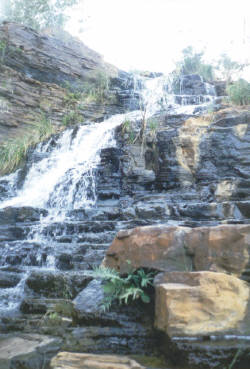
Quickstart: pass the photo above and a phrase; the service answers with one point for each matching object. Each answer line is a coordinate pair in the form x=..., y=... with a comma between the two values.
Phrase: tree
x=239, y=92
x=38, y=14
x=228, y=67
x=192, y=62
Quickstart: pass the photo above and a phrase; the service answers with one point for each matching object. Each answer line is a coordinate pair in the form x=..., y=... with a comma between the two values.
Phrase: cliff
x=61, y=80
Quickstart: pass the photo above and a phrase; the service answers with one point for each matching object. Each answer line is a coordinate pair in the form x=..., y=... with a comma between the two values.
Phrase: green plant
x=123, y=289
x=234, y=359
x=128, y=129
x=38, y=14
x=153, y=125
x=3, y=46
x=14, y=151
x=229, y=68
x=71, y=118
x=72, y=98
x=239, y=92
x=89, y=91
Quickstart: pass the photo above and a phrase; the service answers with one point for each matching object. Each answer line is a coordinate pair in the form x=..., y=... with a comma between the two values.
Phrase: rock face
x=203, y=311
x=222, y=248
x=41, y=77
x=49, y=59
x=192, y=170
x=201, y=304
x=68, y=360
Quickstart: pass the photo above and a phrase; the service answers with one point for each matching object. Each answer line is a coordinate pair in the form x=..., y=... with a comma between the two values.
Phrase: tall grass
x=14, y=151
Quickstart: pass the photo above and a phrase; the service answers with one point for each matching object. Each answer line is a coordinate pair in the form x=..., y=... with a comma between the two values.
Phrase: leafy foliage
x=228, y=67
x=123, y=289
x=239, y=92
x=14, y=151
x=192, y=62
x=38, y=14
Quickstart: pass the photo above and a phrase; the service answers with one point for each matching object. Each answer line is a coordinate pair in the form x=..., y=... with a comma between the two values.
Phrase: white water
x=64, y=179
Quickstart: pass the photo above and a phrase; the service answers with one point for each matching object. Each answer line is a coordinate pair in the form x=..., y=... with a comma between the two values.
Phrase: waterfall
x=63, y=180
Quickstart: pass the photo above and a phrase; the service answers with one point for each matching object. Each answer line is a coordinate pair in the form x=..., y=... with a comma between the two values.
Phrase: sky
x=150, y=34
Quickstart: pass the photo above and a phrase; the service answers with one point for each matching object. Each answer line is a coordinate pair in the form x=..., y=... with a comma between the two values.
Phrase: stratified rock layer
x=68, y=360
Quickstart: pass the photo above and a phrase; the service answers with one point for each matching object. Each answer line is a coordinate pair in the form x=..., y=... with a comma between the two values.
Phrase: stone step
x=70, y=360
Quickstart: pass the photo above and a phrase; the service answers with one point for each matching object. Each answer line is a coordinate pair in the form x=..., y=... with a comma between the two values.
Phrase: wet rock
x=29, y=351
x=126, y=340
x=201, y=304
x=192, y=84
x=8, y=279
x=56, y=284
x=12, y=215
x=69, y=360
x=87, y=302
x=12, y=233
x=208, y=352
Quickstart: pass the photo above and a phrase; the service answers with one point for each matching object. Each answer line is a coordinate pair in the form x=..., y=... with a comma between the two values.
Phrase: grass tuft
x=14, y=151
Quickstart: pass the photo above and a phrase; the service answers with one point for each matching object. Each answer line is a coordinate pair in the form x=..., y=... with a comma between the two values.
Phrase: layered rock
x=68, y=360
x=42, y=77
x=49, y=59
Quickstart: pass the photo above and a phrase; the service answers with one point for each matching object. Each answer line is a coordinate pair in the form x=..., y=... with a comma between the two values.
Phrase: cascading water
x=63, y=179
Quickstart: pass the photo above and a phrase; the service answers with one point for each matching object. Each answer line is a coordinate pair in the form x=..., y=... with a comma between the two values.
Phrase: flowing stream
x=63, y=179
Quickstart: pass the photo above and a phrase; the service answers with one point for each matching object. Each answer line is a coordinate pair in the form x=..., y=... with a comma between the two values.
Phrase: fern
x=121, y=289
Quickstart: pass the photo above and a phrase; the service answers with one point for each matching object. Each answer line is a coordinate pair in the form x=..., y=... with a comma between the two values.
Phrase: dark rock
x=8, y=280
x=12, y=215
x=56, y=284
x=29, y=351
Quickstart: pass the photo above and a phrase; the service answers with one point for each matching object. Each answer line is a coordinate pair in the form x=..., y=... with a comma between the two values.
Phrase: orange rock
x=201, y=304
x=223, y=248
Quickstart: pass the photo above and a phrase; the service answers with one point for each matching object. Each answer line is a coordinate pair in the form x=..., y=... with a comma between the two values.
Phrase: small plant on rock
x=123, y=289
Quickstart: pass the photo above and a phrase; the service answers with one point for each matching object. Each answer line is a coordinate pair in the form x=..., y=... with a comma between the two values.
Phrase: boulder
x=223, y=248
x=69, y=360
x=29, y=351
x=201, y=304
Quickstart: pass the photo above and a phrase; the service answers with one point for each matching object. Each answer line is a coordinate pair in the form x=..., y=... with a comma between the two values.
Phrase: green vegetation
x=123, y=289
x=233, y=362
x=14, y=151
x=239, y=92
x=38, y=14
x=87, y=92
x=3, y=46
x=228, y=67
x=71, y=117
x=127, y=129
x=152, y=125
x=192, y=63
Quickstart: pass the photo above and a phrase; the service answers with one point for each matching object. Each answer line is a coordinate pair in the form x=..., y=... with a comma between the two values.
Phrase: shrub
x=123, y=289
x=239, y=92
